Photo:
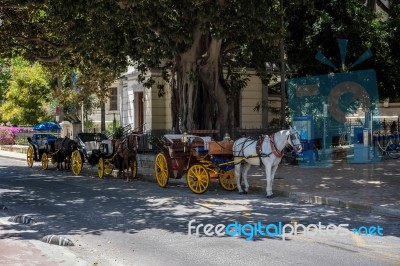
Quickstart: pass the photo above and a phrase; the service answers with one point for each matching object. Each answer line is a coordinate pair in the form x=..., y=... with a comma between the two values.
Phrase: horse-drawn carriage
x=199, y=158
x=48, y=148
x=98, y=149
x=42, y=144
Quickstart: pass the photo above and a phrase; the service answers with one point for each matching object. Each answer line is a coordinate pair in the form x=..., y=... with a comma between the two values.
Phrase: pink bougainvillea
x=8, y=134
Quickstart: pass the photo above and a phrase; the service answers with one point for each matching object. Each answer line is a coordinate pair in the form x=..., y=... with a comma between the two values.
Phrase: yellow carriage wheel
x=161, y=170
x=198, y=178
x=76, y=163
x=29, y=156
x=134, y=169
x=108, y=167
x=227, y=179
x=45, y=161
x=100, y=168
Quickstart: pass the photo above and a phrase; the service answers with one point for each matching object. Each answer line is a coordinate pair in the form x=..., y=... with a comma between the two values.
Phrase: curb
x=335, y=202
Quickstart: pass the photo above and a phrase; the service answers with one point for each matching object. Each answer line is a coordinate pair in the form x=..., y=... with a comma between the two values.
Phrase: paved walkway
x=373, y=187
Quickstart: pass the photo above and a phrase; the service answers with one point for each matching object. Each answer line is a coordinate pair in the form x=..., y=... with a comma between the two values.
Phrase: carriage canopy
x=47, y=126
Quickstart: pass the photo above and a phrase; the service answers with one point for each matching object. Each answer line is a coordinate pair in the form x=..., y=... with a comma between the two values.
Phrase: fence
x=146, y=142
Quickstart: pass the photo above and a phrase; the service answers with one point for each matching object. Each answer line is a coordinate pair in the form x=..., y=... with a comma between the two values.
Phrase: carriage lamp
x=185, y=140
x=227, y=138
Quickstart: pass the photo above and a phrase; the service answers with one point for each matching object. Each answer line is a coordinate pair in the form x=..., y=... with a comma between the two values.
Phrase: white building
x=131, y=103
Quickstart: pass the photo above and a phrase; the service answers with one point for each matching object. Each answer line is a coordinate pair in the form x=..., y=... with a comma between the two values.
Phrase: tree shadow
x=63, y=204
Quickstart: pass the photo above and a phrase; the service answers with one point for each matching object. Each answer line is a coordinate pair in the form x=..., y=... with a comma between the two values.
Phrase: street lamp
x=114, y=125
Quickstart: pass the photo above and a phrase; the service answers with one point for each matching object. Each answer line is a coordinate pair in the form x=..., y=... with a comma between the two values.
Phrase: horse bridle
x=294, y=135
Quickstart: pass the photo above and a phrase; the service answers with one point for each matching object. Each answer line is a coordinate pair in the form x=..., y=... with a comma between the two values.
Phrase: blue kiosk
x=361, y=145
x=305, y=127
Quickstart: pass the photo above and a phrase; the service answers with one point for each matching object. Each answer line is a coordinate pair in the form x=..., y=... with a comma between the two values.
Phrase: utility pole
x=83, y=118
x=282, y=70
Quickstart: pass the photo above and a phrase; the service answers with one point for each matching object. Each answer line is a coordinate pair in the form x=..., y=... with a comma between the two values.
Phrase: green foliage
x=65, y=35
x=4, y=77
x=89, y=125
x=118, y=134
x=21, y=141
x=110, y=128
x=316, y=25
x=28, y=94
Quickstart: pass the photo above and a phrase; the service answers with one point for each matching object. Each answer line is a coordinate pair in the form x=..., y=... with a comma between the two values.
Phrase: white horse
x=270, y=154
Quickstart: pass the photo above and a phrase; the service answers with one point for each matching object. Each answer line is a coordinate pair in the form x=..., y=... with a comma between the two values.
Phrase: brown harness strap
x=259, y=146
x=275, y=151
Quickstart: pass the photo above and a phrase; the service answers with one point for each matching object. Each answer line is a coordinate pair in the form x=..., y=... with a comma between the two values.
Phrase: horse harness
x=274, y=149
x=121, y=145
x=259, y=153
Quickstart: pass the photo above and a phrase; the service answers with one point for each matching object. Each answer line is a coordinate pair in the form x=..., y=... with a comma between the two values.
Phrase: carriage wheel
x=108, y=167
x=45, y=161
x=133, y=169
x=161, y=170
x=198, y=178
x=76, y=162
x=227, y=179
x=29, y=156
x=100, y=168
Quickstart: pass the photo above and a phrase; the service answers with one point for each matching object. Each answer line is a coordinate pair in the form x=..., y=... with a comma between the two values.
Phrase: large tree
x=193, y=41
x=66, y=36
x=202, y=46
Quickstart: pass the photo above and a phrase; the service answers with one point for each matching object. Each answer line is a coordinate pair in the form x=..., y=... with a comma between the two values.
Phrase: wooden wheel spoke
x=161, y=170
x=198, y=178
x=227, y=180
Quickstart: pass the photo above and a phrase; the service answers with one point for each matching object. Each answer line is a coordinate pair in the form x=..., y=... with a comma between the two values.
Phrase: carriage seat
x=177, y=149
x=106, y=146
x=91, y=146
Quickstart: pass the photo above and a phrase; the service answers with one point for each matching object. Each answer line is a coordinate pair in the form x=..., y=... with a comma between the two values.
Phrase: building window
x=114, y=99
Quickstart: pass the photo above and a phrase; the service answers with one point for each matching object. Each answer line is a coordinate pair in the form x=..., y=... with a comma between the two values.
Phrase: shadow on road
x=64, y=204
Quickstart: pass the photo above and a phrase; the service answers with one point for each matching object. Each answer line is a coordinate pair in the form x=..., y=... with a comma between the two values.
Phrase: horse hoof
x=240, y=193
x=245, y=192
x=270, y=196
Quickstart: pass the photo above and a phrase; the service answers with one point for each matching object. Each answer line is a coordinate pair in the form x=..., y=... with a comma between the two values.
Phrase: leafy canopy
x=28, y=94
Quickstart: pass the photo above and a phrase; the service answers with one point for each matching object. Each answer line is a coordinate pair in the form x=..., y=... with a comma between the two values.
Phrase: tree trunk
x=201, y=97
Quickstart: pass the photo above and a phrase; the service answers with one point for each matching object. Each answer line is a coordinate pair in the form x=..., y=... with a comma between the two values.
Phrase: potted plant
x=118, y=133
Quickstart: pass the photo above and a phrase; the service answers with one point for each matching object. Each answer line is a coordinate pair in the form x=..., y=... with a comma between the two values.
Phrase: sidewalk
x=372, y=187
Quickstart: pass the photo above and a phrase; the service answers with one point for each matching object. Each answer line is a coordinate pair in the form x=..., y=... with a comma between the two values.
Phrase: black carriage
x=40, y=146
x=42, y=143
x=98, y=149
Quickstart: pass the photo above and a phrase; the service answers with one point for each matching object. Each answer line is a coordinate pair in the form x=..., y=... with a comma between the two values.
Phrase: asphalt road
x=112, y=222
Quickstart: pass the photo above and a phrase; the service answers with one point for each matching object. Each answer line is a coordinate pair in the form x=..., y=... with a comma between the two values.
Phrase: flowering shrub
x=8, y=134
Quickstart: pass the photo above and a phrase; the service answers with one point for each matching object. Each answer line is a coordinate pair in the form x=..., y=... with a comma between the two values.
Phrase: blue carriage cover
x=47, y=126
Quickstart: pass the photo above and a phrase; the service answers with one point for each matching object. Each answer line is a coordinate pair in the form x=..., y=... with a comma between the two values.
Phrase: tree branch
x=42, y=40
